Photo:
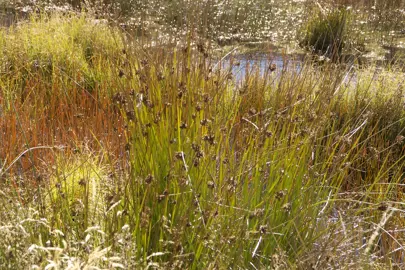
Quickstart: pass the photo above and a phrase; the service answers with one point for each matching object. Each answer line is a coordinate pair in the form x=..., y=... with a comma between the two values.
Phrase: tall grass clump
x=58, y=76
x=218, y=184
x=58, y=48
x=325, y=34
x=257, y=166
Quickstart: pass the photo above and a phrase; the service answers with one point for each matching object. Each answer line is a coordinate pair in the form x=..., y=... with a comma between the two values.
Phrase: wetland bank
x=142, y=135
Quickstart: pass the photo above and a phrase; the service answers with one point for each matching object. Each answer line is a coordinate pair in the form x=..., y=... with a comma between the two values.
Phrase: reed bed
x=120, y=155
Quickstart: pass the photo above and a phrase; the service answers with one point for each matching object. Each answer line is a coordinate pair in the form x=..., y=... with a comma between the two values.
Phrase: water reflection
x=242, y=66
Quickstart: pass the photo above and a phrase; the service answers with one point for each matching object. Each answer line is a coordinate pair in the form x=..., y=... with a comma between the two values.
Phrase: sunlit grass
x=158, y=158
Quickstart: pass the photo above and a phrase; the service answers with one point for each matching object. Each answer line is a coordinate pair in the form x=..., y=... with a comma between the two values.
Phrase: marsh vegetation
x=135, y=135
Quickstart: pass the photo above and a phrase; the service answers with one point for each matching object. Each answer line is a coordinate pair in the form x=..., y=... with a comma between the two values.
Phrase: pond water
x=243, y=65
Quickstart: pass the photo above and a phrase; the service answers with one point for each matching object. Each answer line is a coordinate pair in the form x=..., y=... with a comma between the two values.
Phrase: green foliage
x=325, y=34
x=56, y=46
x=77, y=194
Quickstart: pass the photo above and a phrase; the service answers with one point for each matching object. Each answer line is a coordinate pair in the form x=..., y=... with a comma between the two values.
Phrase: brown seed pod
x=287, y=207
x=179, y=155
x=263, y=229
x=196, y=162
x=160, y=198
x=204, y=122
x=382, y=207
x=149, y=179
x=272, y=67
x=280, y=194
x=200, y=154
x=209, y=138
x=183, y=125
x=82, y=182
